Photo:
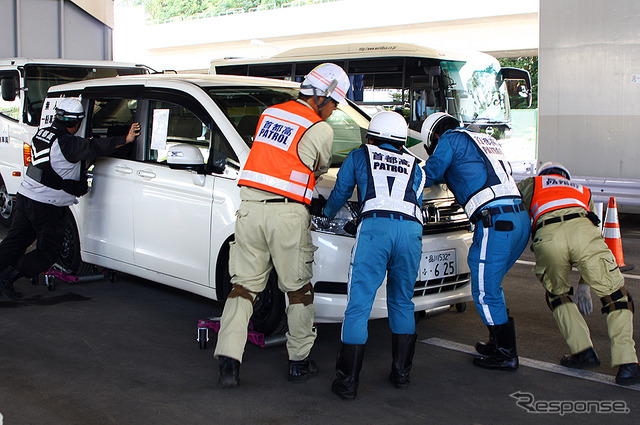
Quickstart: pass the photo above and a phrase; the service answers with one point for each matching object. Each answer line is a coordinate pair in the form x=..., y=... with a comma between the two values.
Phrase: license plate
x=438, y=264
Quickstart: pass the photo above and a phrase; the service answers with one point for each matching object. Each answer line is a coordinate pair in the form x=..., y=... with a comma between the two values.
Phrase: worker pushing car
x=565, y=233
x=474, y=168
x=291, y=148
x=388, y=242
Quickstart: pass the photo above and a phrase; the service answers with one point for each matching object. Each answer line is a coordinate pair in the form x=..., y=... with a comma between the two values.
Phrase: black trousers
x=33, y=221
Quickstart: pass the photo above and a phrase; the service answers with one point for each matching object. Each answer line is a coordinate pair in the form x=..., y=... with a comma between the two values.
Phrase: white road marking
x=533, y=263
x=536, y=364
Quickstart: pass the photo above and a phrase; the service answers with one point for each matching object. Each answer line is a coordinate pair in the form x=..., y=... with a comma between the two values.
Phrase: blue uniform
x=458, y=162
x=388, y=240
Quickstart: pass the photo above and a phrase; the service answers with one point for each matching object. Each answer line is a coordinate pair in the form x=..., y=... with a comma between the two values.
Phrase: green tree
x=162, y=10
x=528, y=63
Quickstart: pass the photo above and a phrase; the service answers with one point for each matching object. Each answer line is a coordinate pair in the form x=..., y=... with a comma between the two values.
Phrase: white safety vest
x=390, y=185
x=500, y=183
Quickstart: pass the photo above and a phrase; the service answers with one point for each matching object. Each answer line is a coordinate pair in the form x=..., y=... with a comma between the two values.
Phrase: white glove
x=583, y=298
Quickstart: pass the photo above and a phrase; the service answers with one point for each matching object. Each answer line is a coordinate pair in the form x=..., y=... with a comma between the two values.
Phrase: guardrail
x=626, y=191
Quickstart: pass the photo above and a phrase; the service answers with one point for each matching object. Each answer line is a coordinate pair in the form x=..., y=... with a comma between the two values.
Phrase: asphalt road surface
x=126, y=353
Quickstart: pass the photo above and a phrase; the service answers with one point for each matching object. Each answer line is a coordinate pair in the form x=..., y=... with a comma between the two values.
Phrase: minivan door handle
x=145, y=174
x=123, y=169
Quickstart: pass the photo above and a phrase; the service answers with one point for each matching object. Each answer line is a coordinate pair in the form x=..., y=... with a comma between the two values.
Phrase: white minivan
x=163, y=208
x=23, y=85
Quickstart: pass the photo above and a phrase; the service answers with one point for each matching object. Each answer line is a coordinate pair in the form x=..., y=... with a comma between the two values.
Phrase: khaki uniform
x=577, y=242
x=275, y=234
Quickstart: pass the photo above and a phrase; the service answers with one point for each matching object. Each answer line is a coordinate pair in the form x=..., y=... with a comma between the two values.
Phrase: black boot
x=505, y=356
x=489, y=347
x=582, y=360
x=7, y=277
x=301, y=370
x=628, y=374
x=348, y=366
x=402, y=348
x=229, y=372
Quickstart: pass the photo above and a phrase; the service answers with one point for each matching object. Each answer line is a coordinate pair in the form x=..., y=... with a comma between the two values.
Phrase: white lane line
x=532, y=263
x=536, y=364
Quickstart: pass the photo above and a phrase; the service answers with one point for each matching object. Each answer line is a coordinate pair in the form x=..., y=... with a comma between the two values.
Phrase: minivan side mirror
x=8, y=89
x=185, y=157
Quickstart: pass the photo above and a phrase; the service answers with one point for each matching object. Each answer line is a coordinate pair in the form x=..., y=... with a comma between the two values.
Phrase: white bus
x=411, y=79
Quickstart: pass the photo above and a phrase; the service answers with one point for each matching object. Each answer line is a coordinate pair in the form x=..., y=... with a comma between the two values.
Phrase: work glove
x=317, y=206
x=583, y=298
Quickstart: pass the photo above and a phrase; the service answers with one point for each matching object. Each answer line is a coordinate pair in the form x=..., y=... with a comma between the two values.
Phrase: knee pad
x=242, y=292
x=614, y=301
x=301, y=296
x=554, y=301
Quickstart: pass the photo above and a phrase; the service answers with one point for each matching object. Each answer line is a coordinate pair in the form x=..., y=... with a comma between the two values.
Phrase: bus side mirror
x=524, y=90
x=8, y=89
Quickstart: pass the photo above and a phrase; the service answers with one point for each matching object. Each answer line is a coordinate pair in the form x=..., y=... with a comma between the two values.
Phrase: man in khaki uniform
x=292, y=146
x=565, y=233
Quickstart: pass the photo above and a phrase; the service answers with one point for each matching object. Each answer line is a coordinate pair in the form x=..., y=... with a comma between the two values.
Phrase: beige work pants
x=269, y=235
x=578, y=242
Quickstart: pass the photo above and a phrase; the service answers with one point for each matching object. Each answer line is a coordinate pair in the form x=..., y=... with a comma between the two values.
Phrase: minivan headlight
x=335, y=226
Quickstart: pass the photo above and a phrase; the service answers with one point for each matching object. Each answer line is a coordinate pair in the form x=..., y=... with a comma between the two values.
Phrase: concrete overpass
x=500, y=27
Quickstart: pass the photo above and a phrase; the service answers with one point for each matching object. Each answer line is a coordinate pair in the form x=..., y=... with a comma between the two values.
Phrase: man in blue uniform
x=388, y=242
x=475, y=170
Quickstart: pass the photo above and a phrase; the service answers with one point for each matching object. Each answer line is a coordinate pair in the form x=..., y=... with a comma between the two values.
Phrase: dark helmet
x=434, y=126
x=554, y=168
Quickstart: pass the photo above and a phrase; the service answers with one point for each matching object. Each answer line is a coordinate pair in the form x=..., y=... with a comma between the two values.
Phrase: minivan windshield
x=38, y=79
x=243, y=106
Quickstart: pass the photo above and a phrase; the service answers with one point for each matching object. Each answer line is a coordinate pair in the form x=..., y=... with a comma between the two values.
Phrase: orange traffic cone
x=611, y=233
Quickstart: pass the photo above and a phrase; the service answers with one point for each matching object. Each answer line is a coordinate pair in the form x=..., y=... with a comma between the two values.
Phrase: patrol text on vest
x=388, y=163
x=277, y=132
x=552, y=181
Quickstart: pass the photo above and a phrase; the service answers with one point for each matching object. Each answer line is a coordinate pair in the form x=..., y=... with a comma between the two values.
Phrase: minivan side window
x=10, y=109
x=183, y=126
x=113, y=117
x=180, y=125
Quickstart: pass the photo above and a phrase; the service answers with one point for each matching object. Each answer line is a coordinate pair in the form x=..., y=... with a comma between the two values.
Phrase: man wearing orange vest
x=291, y=148
x=565, y=233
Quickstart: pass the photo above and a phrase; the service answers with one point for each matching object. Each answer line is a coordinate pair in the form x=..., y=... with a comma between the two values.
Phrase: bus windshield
x=38, y=79
x=476, y=92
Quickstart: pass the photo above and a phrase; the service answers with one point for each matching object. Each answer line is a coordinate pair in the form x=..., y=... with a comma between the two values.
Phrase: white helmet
x=388, y=126
x=69, y=110
x=433, y=127
x=554, y=168
x=327, y=80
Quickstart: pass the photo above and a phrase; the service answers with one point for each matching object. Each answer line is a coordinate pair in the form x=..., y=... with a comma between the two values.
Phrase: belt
x=503, y=209
x=558, y=220
x=281, y=200
x=383, y=214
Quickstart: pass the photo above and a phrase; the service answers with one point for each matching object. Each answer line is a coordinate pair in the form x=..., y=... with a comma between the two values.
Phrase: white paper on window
x=159, y=129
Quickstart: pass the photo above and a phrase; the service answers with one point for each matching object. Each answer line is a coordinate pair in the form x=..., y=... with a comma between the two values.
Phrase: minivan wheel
x=269, y=309
x=69, y=256
x=6, y=205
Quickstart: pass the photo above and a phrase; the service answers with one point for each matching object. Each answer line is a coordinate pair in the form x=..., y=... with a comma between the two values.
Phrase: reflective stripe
x=611, y=233
x=277, y=183
x=481, y=264
x=557, y=204
x=497, y=165
x=38, y=154
x=297, y=176
x=288, y=116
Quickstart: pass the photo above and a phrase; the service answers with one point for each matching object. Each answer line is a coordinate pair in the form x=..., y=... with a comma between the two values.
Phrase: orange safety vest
x=273, y=164
x=552, y=192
